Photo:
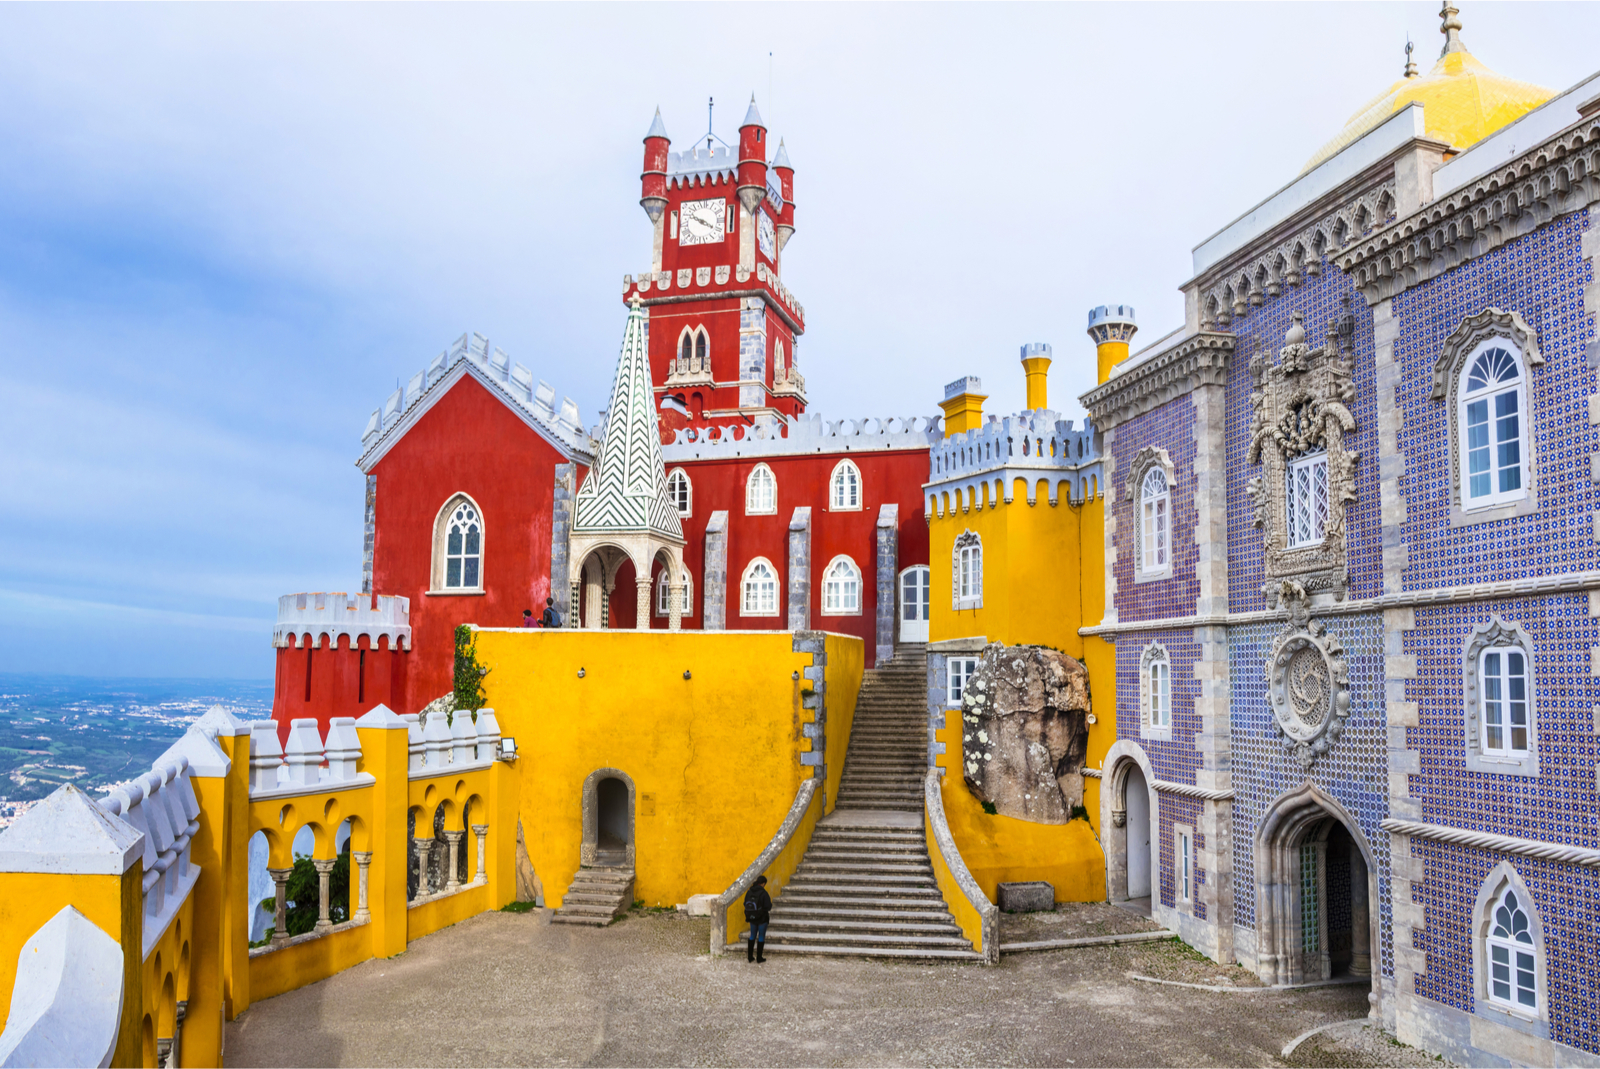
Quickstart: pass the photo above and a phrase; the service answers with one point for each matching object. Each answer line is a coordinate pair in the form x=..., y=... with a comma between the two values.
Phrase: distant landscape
x=97, y=732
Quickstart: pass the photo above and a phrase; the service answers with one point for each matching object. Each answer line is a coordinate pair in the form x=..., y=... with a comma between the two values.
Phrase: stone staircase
x=866, y=885
x=597, y=895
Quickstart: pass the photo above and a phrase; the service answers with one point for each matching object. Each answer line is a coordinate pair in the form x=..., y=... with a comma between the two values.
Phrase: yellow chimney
x=963, y=405
x=1036, y=365
x=1112, y=327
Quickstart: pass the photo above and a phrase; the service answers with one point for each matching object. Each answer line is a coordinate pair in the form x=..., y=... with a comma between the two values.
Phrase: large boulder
x=1024, y=732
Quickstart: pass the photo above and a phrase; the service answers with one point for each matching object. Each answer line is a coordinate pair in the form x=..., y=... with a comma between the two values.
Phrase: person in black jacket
x=757, y=911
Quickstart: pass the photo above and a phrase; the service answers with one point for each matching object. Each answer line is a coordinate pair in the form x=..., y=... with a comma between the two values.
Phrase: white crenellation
x=285, y=771
x=800, y=435
x=320, y=618
x=161, y=805
x=982, y=465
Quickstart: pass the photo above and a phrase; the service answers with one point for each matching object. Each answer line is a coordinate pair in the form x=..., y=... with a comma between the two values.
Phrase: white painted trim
x=842, y=558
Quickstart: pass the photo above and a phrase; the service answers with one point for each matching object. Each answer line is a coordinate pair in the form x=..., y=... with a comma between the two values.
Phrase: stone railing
x=688, y=370
x=804, y=434
x=789, y=381
x=320, y=618
x=978, y=918
x=162, y=806
x=778, y=861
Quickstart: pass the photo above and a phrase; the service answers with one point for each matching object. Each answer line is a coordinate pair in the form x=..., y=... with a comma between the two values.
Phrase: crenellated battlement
x=320, y=618
x=797, y=435
x=1037, y=446
x=695, y=168
x=512, y=379
x=706, y=281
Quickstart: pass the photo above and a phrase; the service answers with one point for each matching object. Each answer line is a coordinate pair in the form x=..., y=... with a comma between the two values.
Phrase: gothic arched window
x=846, y=484
x=458, y=547
x=1155, y=520
x=761, y=492
x=1155, y=692
x=1493, y=427
x=966, y=571
x=1509, y=952
x=664, y=594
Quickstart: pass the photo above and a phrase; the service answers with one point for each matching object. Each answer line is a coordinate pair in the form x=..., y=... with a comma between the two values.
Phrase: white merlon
x=799, y=435
x=283, y=771
x=694, y=167
x=457, y=745
x=320, y=618
x=965, y=384
x=66, y=1005
x=1033, y=446
x=162, y=805
x=68, y=833
x=492, y=366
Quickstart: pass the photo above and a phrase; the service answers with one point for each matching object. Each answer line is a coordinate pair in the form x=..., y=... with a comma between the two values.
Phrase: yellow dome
x=1463, y=101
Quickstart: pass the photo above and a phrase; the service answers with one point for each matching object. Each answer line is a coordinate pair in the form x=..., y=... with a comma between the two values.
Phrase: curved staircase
x=866, y=885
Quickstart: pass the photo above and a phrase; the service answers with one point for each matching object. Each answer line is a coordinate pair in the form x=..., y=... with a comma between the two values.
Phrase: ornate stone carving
x=1197, y=360
x=1301, y=408
x=1142, y=462
x=1307, y=680
x=1489, y=323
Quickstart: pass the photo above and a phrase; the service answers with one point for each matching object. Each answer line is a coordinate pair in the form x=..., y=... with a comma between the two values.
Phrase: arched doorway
x=1127, y=819
x=608, y=807
x=1136, y=804
x=1315, y=883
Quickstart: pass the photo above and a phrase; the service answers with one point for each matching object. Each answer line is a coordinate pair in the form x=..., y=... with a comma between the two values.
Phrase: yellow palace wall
x=1043, y=569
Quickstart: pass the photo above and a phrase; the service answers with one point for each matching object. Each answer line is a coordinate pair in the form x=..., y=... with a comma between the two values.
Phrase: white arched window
x=664, y=595
x=1509, y=954
x=1502, y=733
x=1492, y=400
x=679, y=493
x=1155, y=524
x=846, y=484
x=760, y=586
x=841, y=588
x=966, y=571
x=693, y=347
x=761, y=492
x=458, y=547
x=1155, y=692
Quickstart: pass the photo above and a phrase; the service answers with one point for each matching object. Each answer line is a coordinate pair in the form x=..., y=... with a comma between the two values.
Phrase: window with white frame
x=1185, y=864
x=958, y=670
x=846, y=486
x=1155, y=527
x=1306, y=500
x=1510, y=954
x=841, y=588
x=761, y=492
x=1492, y=400
x=760, y=589
x=1503, y=699
x=693, y=346
x=458, y=547
x=679, y=493
x=664, y=595
x=966, y=571
x=1499, y=692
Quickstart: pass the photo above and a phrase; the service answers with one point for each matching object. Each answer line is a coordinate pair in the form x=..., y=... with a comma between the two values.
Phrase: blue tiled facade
x=1170, y=427
x=1175, y=760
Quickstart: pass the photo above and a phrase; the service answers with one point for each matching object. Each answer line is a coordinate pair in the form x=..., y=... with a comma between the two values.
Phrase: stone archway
x=608, y=819
x=1124, y=821
x=1298, y=907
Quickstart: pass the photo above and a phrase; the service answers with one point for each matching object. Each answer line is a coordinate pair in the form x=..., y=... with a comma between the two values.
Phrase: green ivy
x=469, y=673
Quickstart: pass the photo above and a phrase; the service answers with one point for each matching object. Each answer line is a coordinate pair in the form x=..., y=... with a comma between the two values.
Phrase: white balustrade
x=162, y=805
x=488, y=735
x=463, y=739
x=309, y=763
x=414, y=746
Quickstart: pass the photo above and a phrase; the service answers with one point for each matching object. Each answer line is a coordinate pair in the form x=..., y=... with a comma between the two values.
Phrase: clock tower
x=722, y=325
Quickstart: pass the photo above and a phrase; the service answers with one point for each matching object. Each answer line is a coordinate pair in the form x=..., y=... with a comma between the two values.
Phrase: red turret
x=785, y=173
x=653, y=181
x=752, y=159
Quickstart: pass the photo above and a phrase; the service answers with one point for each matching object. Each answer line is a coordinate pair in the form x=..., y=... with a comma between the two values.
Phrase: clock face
x=766, y=236
x=700, y=222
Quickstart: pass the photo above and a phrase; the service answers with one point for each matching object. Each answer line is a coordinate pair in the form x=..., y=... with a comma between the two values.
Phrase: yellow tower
x=1112, y=327
x=963, y=405
x=1036, y=366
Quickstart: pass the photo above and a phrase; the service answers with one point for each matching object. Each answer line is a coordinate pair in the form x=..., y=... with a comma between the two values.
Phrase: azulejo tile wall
x=1322, y=300
x=1177, y=759
x=1170, y=427
x=1355, y=771
x=1176, y=809
x=1542, y=277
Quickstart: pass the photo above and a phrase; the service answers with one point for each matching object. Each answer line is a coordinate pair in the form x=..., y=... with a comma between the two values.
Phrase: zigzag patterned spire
x=626, y=490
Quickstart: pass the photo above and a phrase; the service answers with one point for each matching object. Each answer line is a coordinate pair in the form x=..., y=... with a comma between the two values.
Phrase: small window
x=678, y=491
x=1160, y=694
x=841, y=588
x=958, y=670
x=967, y=571
x=1493, y=429
x=760, y=589
x=1306, y=500
x=1155, y=692
x=1155, y=529
x=846, y=486
x=1185, y=865
x=1503, y=693
x=1513, y=969
x=664, y=594
x=1499, y=696
x=761, y=492
x=674, y=226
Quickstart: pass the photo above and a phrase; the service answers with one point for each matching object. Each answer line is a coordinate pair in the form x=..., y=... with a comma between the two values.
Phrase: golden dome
x=1463, y=101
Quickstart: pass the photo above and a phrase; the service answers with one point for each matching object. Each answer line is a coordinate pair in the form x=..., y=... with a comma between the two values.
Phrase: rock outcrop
x=1025, y=732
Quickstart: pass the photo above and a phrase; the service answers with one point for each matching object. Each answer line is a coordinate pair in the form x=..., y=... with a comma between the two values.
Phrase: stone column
x=424, y=859
x=453, y=839
x=164, y=1052
x=280, y=913
x=182, y=1011
x=324, y=868
x=482, y=873
x=714, y=574
x=799, y=592
x=676, y=593
x=1360, y=919
x=560, y=531
x=642, y=611
x=888, y=568
x=362, y=858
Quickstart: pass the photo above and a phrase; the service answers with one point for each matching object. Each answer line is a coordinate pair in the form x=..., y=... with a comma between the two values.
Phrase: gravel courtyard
x=511, y=989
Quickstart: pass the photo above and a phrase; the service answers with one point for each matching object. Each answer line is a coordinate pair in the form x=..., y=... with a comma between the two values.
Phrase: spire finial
x=1450, y=26
x=1411, y=65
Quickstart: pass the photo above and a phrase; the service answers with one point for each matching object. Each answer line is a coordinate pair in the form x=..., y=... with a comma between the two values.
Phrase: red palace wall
x=329, y=682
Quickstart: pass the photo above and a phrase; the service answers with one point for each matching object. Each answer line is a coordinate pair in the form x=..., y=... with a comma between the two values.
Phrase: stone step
x=930, y=901
x=871, y=927
x=576, y=895
x=858, y=952
x=880, y=883
x=822, y=912
x=859, y=868
x=897, y=838
x=886, y=937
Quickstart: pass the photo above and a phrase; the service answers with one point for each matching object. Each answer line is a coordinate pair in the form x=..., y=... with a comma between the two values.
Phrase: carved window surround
x=1497, y=634
x=1301, y=408
x=1198, y=360
x=1513, y=332
x=1555, y=178
x=1155, y=653
x=1145, y=459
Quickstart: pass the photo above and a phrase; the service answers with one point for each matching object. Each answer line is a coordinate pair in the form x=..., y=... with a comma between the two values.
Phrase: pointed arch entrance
x=1128, y=818
x=1316, y=880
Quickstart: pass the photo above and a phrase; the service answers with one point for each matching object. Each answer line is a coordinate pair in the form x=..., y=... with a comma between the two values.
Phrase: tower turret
x=653, y=182
x=963, y=405
x=785, y=172
x=1111, y=326
x=752, y=159
x=1036, y=365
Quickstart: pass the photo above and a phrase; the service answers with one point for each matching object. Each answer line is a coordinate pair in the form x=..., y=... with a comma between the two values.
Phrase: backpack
x=752, y=906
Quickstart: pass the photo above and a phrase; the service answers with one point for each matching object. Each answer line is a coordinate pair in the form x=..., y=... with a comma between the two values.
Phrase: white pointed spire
x=658, y=128
x=782, y=158
x=626, y=490
x=752, y=117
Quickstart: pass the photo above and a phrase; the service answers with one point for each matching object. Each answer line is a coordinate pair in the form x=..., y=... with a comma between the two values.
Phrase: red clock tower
x=722, y=325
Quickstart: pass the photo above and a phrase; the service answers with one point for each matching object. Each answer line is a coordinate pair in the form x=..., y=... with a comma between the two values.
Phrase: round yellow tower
x=1112, y=327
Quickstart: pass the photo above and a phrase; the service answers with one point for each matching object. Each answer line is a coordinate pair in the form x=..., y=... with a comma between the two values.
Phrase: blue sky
x=226, y=231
